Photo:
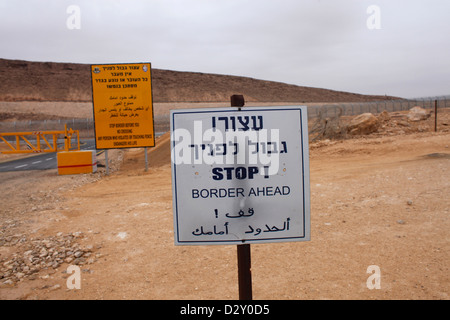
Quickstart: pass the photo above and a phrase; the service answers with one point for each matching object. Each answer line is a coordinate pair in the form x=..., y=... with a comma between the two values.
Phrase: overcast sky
x=393, y=47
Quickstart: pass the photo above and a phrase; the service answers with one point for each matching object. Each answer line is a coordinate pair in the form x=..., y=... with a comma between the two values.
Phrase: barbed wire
x=315, y=110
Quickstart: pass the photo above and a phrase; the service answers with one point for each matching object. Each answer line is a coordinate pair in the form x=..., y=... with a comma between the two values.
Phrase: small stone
x=78, y=254
x=43, y=253
x=409, y=202
x=122, y=235
x=400, y=222
x=79, y=261
x=55, y=287
x=8, y=282
x=68, y=259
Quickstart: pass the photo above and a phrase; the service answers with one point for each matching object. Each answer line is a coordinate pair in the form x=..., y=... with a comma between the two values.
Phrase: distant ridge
x=50, y=81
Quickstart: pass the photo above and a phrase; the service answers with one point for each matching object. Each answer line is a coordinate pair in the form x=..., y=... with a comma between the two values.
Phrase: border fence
x=376, y=107
x=315, y=110
x=84, y=125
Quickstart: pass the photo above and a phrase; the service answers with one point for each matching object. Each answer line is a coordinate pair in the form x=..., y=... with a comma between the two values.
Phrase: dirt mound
x=160, y=154
x=44, y=81
x=49, y=81
x=157, y=157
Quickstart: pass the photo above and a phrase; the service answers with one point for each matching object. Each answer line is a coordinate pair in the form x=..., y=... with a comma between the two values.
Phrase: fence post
x=435, y=115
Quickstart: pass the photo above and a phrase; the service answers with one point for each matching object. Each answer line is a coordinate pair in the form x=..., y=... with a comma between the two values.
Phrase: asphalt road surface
x=41, y=161
x=46, y=161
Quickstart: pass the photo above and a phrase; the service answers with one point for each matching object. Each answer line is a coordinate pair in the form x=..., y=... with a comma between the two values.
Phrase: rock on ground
x=363, y=124
x=418, y=114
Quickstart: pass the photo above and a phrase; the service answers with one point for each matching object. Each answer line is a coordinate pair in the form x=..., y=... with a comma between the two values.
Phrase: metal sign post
x=106, y=162
x=243, y=250
x=244, y=272
x=146, y=159
x=240, y=176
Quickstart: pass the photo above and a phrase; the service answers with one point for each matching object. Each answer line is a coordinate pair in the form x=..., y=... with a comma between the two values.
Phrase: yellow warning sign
x=123, y=106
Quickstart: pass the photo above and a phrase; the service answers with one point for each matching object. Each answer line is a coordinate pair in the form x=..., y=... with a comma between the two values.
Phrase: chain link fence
x=315, y=110
x=376, y=107
x=84, y=126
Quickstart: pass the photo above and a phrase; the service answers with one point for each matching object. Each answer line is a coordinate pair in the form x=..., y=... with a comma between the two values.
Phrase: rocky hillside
x=49, y=81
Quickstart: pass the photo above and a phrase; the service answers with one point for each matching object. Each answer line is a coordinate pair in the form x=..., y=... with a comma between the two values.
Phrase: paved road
x=45, y=161
x=42, y=161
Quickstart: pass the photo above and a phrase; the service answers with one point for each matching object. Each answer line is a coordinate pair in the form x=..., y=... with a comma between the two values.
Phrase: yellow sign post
x=123, y=106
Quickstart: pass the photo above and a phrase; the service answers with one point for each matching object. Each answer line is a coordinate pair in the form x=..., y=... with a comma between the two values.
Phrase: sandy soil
x=378, y=200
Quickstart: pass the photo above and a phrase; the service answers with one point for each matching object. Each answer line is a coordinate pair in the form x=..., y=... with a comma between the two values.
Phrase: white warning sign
x=240, y=176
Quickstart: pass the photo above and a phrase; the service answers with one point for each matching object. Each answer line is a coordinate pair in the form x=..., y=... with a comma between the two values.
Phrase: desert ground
x=380, y=199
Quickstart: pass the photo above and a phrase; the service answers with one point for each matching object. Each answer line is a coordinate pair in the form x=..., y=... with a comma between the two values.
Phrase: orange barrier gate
x=43, y=144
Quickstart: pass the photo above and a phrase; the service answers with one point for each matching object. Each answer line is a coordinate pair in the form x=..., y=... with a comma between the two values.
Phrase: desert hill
x=49, y=81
